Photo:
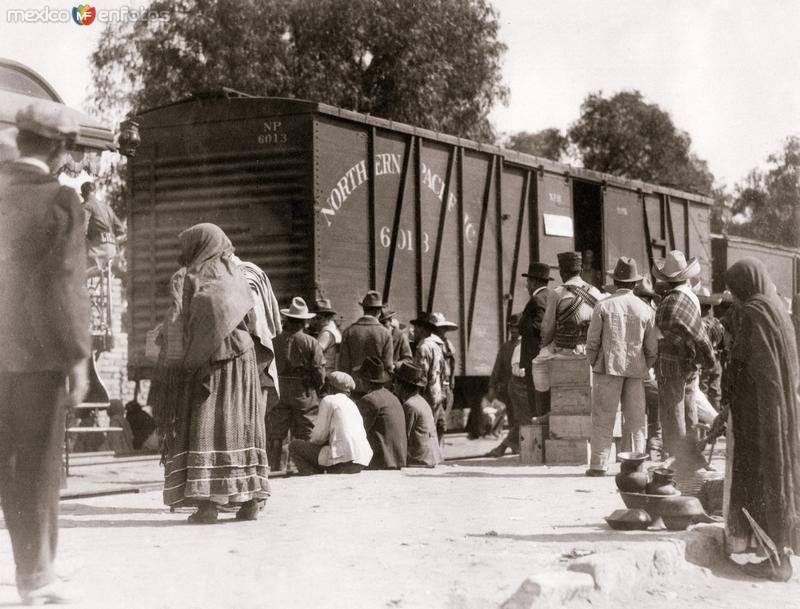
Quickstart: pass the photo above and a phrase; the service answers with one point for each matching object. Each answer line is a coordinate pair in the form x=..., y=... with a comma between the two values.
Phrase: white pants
x=608, y=392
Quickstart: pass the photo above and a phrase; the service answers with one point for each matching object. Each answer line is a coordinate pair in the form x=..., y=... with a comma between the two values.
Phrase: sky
x=727, y=71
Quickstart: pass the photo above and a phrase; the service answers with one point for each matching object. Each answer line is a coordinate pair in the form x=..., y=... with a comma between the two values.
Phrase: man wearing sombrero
x=683, y=345
x=301, y=373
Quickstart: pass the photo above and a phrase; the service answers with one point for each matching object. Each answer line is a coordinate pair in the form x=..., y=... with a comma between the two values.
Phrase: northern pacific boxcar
x=332, y=203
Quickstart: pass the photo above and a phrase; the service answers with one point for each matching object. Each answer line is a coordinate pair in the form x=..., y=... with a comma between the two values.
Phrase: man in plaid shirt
x=683, y=345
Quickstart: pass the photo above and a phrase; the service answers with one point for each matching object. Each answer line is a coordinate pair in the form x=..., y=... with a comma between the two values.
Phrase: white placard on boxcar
x=558, y=226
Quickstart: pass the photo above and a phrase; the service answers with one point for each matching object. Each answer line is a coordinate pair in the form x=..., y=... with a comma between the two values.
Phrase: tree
x=548, y=143
x=766, y=205
x=628, y=137
x=434, y=64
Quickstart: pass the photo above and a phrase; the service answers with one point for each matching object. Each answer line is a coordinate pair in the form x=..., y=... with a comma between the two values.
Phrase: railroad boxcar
x=332, y=203
x=783, y=262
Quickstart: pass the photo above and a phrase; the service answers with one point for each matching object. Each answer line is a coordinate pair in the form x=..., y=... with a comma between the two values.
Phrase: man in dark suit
x=365, y=338
x=530, y=325
x=44, y=323
x=384, y=419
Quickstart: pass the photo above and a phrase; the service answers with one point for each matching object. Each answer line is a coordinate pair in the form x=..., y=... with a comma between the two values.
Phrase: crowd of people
x=236, y=373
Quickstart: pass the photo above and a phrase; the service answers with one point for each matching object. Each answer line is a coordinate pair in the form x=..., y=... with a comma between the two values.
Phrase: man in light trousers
x=621, y=346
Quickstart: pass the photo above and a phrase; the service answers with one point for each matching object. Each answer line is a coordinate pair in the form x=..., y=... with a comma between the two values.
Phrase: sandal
x=248, y=511
x=204, y=515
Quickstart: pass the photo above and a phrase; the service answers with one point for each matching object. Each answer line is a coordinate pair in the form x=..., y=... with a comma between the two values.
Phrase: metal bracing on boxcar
x=512, y=289
x=418, y=220
x=498, y=223
x=479, y=248
x=451, y=157
x=647, y=238
x=371, y=207
x=462, y=279
x=398, y=210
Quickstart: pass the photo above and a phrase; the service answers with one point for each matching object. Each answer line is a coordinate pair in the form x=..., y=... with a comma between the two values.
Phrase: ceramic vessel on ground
x=631, y=478
x=663, y=483
x=629, y=520
x=679, y=512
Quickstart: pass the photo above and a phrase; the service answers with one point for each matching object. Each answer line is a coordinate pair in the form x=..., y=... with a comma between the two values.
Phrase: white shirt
x=340, y=429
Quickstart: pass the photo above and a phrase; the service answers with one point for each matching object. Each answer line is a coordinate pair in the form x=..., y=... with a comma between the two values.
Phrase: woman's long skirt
x=219, y=450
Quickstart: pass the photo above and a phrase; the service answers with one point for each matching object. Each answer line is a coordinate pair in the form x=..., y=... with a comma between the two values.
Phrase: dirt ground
x=464, y=535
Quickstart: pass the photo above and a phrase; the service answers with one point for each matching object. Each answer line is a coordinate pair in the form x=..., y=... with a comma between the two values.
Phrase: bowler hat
x=298, y=310
x=423, y=319
x=438, y=320
x=626, y=270
x=411, y=374
x=372, y=370
x=372, y=299
x=340, y=381
x=570, y=261
x=675, y=268
x=48, y=120
x=324, y=306
x=538, y=270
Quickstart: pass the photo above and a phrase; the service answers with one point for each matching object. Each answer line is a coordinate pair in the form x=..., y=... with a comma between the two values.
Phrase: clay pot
x=679, y=512
x=663, y=483
x=631, y=478
x=629, y=520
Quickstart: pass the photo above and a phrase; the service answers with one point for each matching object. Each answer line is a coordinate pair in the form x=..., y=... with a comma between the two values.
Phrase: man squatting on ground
x=43, y=322
x=423, y=444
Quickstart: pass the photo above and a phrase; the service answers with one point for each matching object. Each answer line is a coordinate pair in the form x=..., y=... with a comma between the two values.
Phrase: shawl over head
x=216, y=296
x=765, y=347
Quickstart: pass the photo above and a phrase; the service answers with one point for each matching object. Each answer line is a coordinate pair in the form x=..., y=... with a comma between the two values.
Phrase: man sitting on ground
x=423, y=444
x=338, y=443
x=383, y=417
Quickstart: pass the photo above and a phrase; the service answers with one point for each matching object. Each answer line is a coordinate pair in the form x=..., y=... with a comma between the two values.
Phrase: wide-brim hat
x=298, y=310
x=340, y=381
x=705, y=297
x=438, y=320
x=422, y=319
x=372, y=370
x=372, y=299
x=410, y=374
x=386, y=315
x=570, y=261
x=676, y=268
x=626, y=270
x=323, y=307
x=538, y=270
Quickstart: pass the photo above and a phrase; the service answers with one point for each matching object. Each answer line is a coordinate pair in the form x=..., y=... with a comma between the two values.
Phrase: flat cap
x=340, y=381
x=48, y=120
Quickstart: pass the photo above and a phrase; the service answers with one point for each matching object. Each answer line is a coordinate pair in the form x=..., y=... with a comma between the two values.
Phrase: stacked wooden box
x=570, y=412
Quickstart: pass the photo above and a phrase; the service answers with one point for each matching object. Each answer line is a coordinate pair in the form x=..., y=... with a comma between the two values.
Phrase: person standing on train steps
x=530, y=329
x=44, y=322
x=683, y=345
x=621, y=346
x=328, y=334
x=401, y=349
x=365, y=338
x=565, y=324
x=429, y=357
x=301, y=373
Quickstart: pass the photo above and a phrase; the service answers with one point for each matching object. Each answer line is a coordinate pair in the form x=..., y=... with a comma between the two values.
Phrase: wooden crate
x=566, y=452
x=531, y=441
x=570, y=426
x=570, y=372
x=571, y=400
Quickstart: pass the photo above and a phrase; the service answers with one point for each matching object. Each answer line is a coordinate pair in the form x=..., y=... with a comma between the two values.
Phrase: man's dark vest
x=571, y=331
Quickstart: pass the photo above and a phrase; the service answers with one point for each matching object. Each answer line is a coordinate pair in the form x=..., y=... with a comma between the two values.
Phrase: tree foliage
x=626, y=136
x=766, y=204
x=548, y=143
x=434, y=64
